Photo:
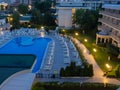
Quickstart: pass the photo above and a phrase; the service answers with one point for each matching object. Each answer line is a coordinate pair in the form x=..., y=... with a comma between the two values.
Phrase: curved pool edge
x=45, y=53
x=15, y=75
x=42, y=62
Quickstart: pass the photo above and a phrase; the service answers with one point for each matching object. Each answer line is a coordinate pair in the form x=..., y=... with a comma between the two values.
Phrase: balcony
x=110, y=24
x=116, y=16
x=102, y=27
x=115, y=37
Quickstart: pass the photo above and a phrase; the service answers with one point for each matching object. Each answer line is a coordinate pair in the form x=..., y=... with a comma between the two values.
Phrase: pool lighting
x=11, y=25
x=42, y=27
x=42, y=34
x=29, y=25
x=21, y=14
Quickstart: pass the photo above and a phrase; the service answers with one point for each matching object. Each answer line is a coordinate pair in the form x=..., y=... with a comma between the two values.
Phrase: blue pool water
x=35, y=46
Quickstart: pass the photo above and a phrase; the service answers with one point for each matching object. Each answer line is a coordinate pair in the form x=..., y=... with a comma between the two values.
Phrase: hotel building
x=66, y=8
x=110, y=28
x=111, y=1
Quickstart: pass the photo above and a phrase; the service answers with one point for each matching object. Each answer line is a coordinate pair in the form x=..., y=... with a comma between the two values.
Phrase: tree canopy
x=43, y=6
x=86, y=19
x=23, y=9
x=15, y=21
x=35, y=16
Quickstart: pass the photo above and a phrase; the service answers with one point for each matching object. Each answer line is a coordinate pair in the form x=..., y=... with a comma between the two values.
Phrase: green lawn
x=72, y=86
x=101, y=55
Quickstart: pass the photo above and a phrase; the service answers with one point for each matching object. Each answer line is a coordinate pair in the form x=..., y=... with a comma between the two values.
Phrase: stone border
x=14, y=75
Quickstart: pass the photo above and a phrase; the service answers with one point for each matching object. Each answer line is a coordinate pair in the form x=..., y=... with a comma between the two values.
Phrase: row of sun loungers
x=65, y=50
x=8, y=35
x=70, y=51
x=49, y=58
x=25, y=32
x=75, y=54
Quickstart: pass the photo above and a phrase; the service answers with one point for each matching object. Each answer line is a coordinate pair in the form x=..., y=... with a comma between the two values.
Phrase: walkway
x=19, y=82
x=98, y=73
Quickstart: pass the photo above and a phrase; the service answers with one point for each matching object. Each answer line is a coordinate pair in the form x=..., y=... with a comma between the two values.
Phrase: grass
x=101, y=55
x=113, y=72
x=73, y=86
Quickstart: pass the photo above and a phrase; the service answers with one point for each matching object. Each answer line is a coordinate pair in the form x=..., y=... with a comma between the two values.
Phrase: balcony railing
x=115, y=37
x=117, y=16
x=102, y=27
x=110, y=24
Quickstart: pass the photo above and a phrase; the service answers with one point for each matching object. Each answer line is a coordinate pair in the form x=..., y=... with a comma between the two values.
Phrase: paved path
x=19, y=82
x=98, y=73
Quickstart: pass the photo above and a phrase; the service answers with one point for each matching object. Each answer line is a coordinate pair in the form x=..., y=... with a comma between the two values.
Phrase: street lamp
x=94, y=50
x=29, y=6
x=42, y=32
x=108, y=66
x=15, y=9
x=85, y=40
x=76, y=34
x=63, y=30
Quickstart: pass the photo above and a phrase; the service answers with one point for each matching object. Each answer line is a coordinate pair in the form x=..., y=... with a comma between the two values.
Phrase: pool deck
x=24, y=81
x=20, y=82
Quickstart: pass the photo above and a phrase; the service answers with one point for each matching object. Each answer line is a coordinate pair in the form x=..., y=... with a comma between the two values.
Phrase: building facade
x=110, y=28
x=27, y=2
x=111, y=1
x=66, y=8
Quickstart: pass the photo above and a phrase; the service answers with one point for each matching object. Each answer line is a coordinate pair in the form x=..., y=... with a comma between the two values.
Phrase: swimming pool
x=27, y=45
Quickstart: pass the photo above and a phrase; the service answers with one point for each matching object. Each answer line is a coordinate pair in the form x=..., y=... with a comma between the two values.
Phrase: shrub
x=73, y=70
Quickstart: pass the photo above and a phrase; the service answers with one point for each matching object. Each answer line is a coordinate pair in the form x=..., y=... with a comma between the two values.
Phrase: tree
x=112, y=50
x=43, y=6
x=37, y=86
x=2, y=7
x=23, y=9
x=73, y=69
x=90, y=70
x=48, y=19
x=87, y=19
x=62, y=72
x=78, y=16
x=15, y=21
x=35, y=19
